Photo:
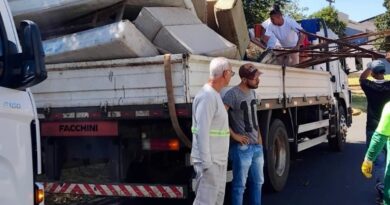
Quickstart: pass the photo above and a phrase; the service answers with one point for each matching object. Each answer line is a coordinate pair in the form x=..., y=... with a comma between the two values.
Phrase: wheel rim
x=343, y=127
x=280, y=154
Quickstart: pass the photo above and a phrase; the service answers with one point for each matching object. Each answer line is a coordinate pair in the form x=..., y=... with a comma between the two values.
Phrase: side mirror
x=33, y=70
x=347, y=71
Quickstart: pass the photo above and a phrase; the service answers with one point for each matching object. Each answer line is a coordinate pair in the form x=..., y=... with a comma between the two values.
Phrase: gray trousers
x=210, y=184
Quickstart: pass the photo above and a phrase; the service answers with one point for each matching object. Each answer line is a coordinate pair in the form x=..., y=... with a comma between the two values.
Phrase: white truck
x=21, y=66
x=132, y=118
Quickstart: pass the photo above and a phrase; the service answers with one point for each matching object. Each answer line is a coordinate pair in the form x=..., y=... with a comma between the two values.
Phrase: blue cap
x=377, y=67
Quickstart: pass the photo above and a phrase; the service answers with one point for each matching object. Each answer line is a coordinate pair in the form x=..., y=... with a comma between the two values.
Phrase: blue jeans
x=380, y=162
x=248, y=162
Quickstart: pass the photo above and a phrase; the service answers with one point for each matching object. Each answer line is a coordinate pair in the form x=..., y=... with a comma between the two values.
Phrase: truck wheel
x=277, y=156
x=337, y=143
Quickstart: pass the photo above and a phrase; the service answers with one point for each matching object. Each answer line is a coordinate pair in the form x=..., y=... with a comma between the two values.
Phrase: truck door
x=17, y=144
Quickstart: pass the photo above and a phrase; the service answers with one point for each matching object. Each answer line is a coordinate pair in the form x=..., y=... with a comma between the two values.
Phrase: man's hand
x=367, y=168
x=244, y=140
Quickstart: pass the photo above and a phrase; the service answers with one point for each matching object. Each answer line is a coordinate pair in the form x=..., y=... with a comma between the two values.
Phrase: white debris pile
x=93, y=30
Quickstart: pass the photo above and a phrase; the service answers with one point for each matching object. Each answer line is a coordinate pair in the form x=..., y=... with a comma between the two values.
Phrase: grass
x=359, y=102
x=354, y=80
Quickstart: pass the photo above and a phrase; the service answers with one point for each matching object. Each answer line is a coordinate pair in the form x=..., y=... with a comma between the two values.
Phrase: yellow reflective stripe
x=219, y=133
x=194, y=130
x=213, y=133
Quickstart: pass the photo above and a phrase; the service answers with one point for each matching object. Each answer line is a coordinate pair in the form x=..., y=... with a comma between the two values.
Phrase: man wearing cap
x=377, y=92
x=246, y=150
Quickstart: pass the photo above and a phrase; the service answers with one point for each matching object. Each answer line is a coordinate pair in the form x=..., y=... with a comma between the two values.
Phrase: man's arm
x=260, y=139
x=258, y=43
x=235, y=136
x=365, y=74
x=377, y=143
x=204, y=115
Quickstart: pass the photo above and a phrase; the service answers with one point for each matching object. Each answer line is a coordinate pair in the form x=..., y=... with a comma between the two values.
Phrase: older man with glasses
x=210, y=141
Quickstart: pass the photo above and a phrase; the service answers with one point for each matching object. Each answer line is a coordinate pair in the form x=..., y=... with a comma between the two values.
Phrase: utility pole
x=330, y=2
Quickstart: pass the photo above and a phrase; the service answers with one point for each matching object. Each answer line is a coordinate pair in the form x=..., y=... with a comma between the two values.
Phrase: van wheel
x=337, y=143
x=277, y=156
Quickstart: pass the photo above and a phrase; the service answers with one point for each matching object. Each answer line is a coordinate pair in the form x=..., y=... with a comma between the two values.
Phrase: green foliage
x=382, y=22
x=330, y=16
x=294, y=10
x=256, y=11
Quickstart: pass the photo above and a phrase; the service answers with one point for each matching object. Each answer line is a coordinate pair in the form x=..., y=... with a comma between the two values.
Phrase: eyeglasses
x=231, y=72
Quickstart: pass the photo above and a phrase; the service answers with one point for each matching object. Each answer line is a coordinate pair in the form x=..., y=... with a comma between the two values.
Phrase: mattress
x=46, y=12
x=152, y=19
x=113, y=41
x=181, y=39
x=232, y=24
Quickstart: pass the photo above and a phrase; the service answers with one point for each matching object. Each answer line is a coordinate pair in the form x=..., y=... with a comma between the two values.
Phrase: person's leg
x=386, y=190
x=256, y=176
x=207, y=185
x=241, y=161
x=386, y=193
x=222, y=184
x=294, y=59
x=379, y=166
x=283, y=59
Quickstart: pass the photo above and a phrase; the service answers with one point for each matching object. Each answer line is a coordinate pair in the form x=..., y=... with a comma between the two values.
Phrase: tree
x=294, y=10
x=330, y=16
x=382, y=23
x=256, y=11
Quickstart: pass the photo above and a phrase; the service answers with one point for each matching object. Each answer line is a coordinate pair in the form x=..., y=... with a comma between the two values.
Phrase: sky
x=356, y=9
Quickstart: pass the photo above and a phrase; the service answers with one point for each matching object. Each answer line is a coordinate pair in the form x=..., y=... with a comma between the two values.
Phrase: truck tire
x=337, y=143
x=277, y=156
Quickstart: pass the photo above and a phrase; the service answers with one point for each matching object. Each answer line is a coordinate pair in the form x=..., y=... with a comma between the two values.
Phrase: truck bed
x=140, y=81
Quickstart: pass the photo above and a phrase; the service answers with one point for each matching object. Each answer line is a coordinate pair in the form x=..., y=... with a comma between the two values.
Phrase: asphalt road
x=321, y=177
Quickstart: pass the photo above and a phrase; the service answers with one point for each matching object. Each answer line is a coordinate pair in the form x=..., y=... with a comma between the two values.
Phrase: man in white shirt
x=264, y=41
x=286, y=30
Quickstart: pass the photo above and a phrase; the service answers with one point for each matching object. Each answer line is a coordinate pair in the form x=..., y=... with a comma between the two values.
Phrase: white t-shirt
x=272, y=42
x=266, y=23
x=287, y=34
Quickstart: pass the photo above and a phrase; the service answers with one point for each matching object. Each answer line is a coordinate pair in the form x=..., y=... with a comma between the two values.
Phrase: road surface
x=322, y=177
x=318, y=176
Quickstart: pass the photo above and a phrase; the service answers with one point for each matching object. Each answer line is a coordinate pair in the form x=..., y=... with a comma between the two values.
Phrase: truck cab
x=21, y=66
x=339, y=81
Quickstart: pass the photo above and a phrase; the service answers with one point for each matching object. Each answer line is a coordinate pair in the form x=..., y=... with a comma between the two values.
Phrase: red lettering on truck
x=79, y=129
